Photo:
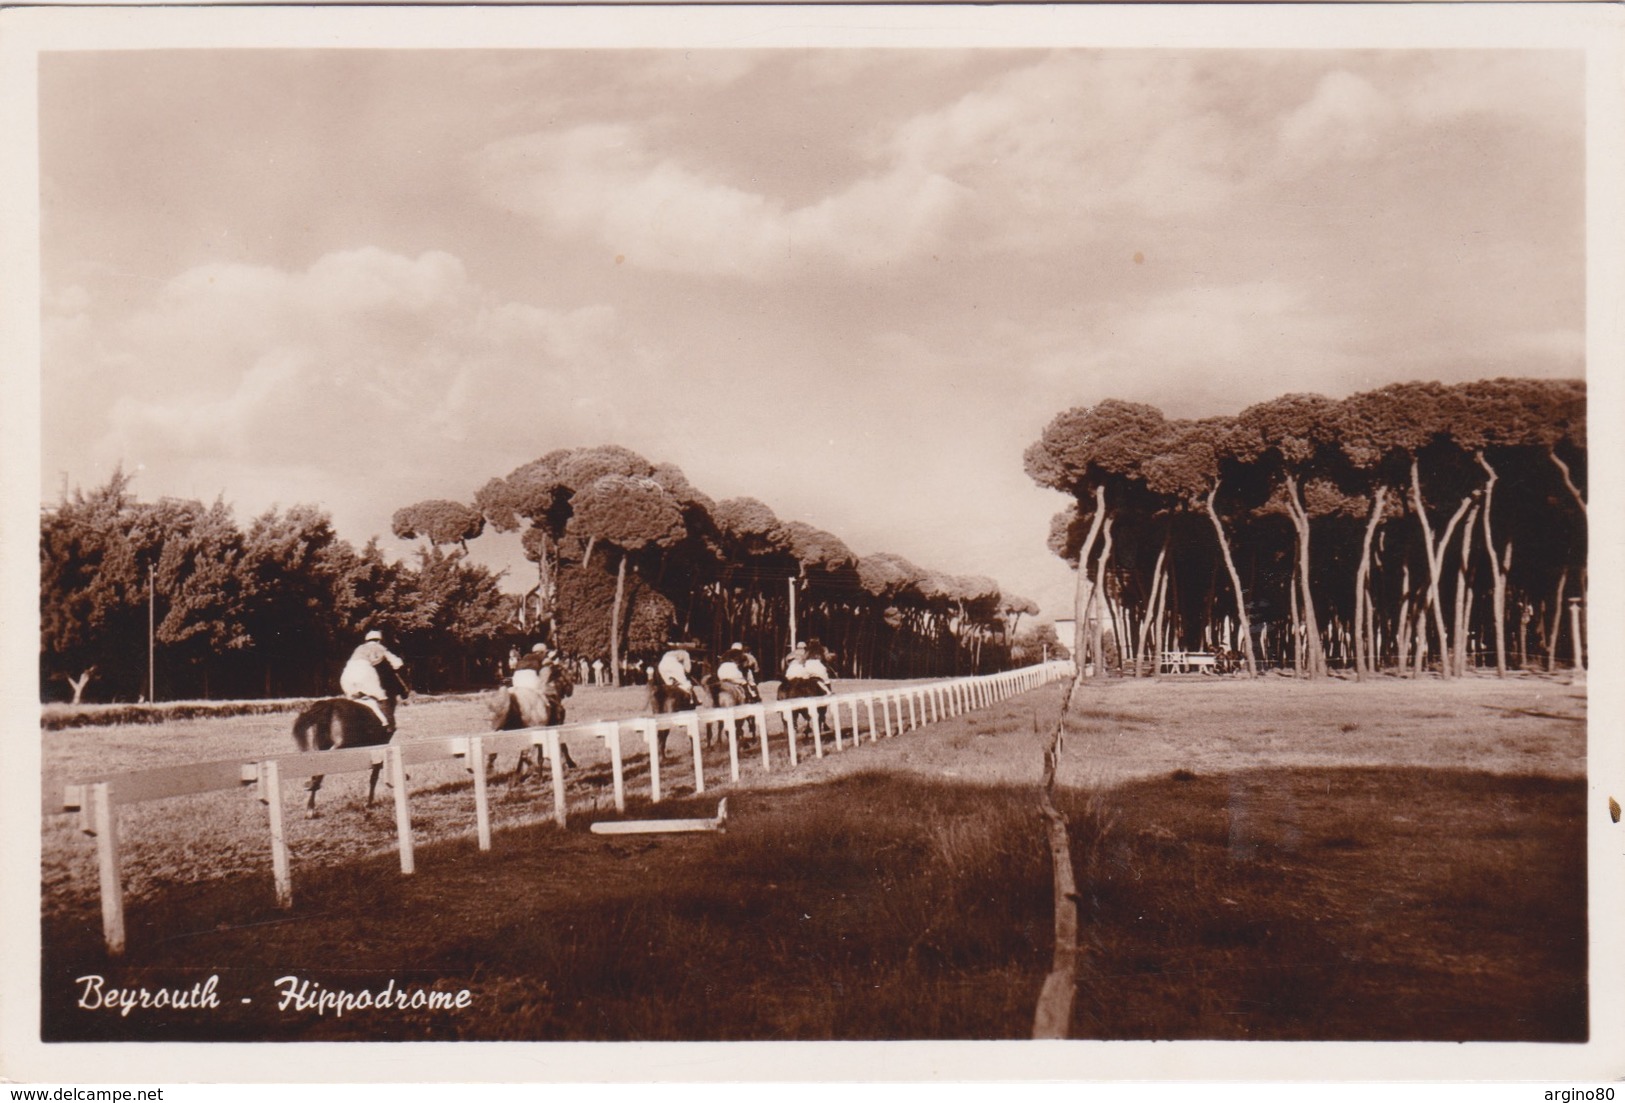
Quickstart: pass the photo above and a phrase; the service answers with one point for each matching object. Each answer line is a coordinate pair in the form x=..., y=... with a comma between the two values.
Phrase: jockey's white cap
x=374, y=634
x=538, y=647
x=737, y=647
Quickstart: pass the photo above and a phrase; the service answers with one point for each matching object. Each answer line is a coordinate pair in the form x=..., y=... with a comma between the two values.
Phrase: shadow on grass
x=1324, y=904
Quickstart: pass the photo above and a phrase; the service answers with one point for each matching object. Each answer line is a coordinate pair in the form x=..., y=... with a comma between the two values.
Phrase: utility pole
x=152, y=608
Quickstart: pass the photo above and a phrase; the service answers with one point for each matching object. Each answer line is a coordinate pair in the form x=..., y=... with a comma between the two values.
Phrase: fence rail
x=885, y=712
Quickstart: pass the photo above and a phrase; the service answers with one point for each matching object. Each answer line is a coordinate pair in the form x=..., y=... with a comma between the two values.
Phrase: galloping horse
x=664, y=699
x=541, y=707
x=727, y=695
x=794, y=688
x=336, y=722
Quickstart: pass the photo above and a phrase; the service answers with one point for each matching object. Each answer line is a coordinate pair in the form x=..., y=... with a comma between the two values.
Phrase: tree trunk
x=615, y=623
x=1362, y=599
x=1435, y=558
x=544, y=584
x=1100, y=598
x=1463, y=581
x=1083, y=594
x=1314, y=653
x=1141, y=652
x=1296, y=616
x=1556, y=635
x=1402, y=636
x=1373, y=634
x=1235, y=583
x=1498, y=580
x=1568, y=479
x=1153, y=616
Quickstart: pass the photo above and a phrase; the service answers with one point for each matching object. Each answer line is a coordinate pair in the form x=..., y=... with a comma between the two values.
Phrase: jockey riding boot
x=379, y=711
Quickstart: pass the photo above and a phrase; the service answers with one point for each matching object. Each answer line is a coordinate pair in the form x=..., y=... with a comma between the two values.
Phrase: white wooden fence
x=884, y=712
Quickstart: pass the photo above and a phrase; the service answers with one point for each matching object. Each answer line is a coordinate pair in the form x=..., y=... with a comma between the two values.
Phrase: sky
x=852, y=283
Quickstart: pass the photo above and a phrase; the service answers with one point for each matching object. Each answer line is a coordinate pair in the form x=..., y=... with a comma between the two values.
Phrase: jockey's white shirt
x=813, y=669
x=527, y=679
x=674, y=668
x=360, y=675
x=730, y=672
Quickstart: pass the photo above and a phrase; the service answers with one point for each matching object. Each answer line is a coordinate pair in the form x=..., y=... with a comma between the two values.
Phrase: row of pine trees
x=629, y=553
x=1417, y=527
x=1412, y=528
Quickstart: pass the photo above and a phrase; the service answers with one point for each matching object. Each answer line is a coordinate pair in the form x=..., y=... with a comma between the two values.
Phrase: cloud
x=1226, y=345
x=1042, y=152
x=375, y=367
x=607, y=182
x=1396, y=98
x=1345, y=118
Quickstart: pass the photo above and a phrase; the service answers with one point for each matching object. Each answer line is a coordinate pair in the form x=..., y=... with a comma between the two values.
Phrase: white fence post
x=691, y=721
x=758, y=713
x=730, y=723
x=101, y=802
x=482, y=798
x=555, y=762
x=651, y=738
x=610, y=732
x=403, y=813
x=271, y=794
x=787, y=713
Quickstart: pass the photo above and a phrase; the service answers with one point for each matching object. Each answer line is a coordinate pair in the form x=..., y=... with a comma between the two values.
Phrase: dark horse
x=727, y=695
x=337, y=722
x=664, y=699
x=541, y=707
x=794, y=688
x=333, y=723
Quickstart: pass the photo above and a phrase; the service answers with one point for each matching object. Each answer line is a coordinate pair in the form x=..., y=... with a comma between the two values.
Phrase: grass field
x=1278, y=860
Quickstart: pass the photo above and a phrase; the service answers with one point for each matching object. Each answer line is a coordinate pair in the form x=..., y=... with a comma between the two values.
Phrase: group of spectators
x=584, y=671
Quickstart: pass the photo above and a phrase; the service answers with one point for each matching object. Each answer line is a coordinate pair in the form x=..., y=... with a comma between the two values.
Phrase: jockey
x=361, y=680
x=674, y=669
x=805, y=675
x=527, y=672
x=813, y=667
x=559, y=667
x=795, y=665
x=738, y=668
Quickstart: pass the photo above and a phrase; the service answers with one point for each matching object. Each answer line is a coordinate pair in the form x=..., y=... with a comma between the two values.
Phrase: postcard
x=800, y=543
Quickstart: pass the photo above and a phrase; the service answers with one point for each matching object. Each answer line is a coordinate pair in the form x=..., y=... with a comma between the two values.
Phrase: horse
x=727, y=695
x=542, y=707
x=796, y=688
x=333, y=723
x=665, y=699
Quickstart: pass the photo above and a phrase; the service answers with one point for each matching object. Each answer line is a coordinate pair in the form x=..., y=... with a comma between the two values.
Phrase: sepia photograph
x=831, y=527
